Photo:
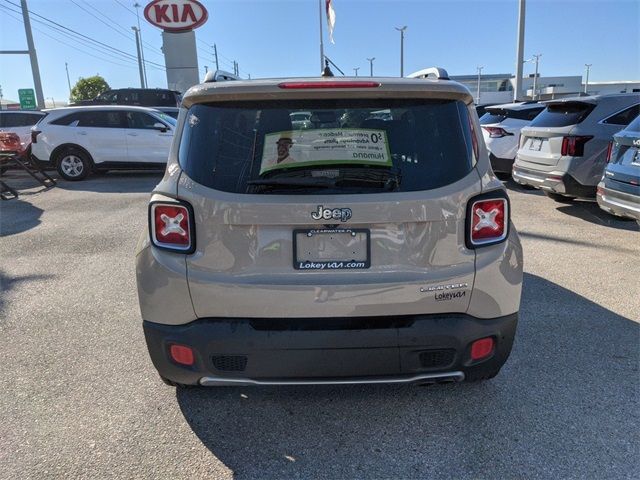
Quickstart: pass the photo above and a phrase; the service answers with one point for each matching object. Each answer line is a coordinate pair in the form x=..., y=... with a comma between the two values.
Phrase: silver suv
x=563, y=151
x=362, y=248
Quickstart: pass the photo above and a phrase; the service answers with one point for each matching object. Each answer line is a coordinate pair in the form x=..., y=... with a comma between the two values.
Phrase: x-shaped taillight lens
x=488, y=221
x=171, y=226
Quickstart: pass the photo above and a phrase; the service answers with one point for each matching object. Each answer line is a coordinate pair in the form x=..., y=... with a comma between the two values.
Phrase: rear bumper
x=417, y=348
x=557, y=182
x=501, y=165
x=618, y=203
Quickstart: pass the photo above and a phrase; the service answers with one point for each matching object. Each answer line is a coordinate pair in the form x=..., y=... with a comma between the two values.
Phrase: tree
x=88, y=88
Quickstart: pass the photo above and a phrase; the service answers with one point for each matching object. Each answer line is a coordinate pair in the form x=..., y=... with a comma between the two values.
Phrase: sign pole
x=35, y=70
x=321, y=35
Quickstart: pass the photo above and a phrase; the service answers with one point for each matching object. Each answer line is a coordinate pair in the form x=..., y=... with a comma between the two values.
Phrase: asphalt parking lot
x=80, y=397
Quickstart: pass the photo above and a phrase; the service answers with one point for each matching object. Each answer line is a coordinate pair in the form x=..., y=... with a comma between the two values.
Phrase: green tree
x=88, y=88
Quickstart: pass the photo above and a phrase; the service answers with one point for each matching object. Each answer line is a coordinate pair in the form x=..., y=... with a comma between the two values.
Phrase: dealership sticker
x=297, y=148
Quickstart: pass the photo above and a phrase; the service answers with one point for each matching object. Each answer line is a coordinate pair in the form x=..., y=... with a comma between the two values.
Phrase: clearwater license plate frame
x=357, y=257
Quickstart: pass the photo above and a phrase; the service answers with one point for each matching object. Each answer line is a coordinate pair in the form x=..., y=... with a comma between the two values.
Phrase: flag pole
x=321, y=42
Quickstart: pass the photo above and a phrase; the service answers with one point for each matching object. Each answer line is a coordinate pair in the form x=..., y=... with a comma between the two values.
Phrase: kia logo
x=176, y=15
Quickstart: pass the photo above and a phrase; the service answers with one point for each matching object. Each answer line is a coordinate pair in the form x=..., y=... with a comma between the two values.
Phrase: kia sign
x=176, y=15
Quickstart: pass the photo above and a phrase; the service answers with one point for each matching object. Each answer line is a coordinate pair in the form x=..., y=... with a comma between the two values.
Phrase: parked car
x=563, y=151
x=77, y=140
x=501, y=125
x=145, y=97
x=619, y=190
x=354, y=251
x=171, y=111
x=20, y=123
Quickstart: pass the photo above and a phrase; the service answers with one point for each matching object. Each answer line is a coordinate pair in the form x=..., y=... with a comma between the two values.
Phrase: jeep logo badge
x=342, y=214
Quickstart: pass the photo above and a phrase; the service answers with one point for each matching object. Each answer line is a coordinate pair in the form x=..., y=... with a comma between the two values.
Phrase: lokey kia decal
x=172, y=225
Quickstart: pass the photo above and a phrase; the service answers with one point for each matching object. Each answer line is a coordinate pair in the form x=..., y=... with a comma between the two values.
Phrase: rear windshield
x=9, y=120
x=499, y=115
x=342, y=146
x=562, y=114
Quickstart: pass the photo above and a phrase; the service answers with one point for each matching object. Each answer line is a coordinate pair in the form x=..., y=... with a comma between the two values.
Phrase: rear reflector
x=574, y=146
x=489, y=220
x=330, y=84
x=171, y=226
x=482, y=348
x=182, y=355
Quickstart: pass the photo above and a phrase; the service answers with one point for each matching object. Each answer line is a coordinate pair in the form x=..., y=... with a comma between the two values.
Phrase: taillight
x=328, y=84
x=34, y=135
x=574, y=146
x=609, y=149
x=171, y=226
x=497, y=132
x=487, y=219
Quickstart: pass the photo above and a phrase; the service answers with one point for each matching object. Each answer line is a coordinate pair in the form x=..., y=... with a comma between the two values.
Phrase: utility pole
x=53, y=102
x=517, y=89
x=479, y=78
x=320, y=2
x=66, y=66
x=35, y=70
x=137, y=32
x=370, y=60
x=215, y=54
x=586, y=82
x=356, y=70
x=1, y=106
x=144, y=65
x=534, y=95
x=401, y=30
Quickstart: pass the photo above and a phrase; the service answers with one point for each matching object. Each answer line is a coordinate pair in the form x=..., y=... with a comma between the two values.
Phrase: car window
x=562, y=114
x=100, y=119
x=128, y=97
x=141, y=120
x=158, y=98
x=20, y=119
x=66, y=119
x=424, y=144
x=108, y=96
x=624, y=117
x=491, y=117
x=634, y=126
x=499, y=115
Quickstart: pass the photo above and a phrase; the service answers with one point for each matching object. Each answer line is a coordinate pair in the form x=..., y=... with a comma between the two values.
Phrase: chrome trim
x=436, y=377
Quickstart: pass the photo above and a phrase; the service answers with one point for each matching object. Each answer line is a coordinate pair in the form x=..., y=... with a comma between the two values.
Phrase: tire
x=73, y=164
x=556, y=197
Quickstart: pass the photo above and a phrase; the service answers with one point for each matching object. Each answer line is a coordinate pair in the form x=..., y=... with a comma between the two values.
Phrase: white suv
x=501, y=125
x=78, y=140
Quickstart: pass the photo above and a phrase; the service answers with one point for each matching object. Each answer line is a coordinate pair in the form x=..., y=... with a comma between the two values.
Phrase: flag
x=331, y=18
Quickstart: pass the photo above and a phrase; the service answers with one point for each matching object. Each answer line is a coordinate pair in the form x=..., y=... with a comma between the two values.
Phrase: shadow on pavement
x=7, y=283
x=563, y=406
x=115, y=182
x=591, y=212
x=17, y=216
x=511, y=185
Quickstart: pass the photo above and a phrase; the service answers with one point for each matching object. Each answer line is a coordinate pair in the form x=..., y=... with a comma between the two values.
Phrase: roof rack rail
x=219, y=76
x=431, y=72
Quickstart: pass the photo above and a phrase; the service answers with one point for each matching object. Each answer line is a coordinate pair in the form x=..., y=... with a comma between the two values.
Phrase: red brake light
x=482, y=348
x=609, y=149
x=171, y=226
x=328, y=84
x=574, y=146
x=182, y=355
x=488, y=221
x=497, y=132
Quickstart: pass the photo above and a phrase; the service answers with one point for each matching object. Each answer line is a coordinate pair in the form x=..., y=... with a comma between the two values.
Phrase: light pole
x=356, y=70
x=535, y=78
x=517, y=88
x=401, y=30
x=66, y=66
x=144, y=66
x=53, y=102
x=370, y=60
x=137, y=33
x=479, y=78
x=586, y=81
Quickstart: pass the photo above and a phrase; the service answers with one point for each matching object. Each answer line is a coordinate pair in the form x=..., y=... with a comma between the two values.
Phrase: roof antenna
x=327, y=71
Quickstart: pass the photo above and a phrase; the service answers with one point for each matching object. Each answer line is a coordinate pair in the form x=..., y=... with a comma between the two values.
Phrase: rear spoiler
x=219, y=76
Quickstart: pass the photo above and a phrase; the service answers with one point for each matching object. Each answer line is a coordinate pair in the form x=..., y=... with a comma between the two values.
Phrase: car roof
x=389, y=87
x=34, y=112
x=591, y=98
x=100, y=107
x=515, y=106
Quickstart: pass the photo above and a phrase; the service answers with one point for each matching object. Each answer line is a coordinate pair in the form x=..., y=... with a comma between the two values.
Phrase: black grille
x=229, y=363
x=437, y=358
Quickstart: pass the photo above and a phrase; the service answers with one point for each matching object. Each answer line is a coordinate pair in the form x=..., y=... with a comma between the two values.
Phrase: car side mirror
x=160, y=126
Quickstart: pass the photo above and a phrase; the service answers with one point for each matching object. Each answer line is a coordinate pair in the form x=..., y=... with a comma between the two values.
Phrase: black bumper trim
x=280, y=355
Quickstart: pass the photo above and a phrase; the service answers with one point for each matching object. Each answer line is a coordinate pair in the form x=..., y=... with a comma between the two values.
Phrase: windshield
x=562, y=114
x=500, y=114
x=346, y=146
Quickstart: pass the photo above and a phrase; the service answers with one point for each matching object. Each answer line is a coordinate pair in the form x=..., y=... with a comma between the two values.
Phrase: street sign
x=27, y=99
x=176, y=15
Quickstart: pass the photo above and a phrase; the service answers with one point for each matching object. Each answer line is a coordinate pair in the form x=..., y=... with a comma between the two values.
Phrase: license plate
x=331, y=249
x=536, y=144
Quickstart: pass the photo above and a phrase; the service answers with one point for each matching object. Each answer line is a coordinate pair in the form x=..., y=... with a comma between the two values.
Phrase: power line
x=155, y=49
